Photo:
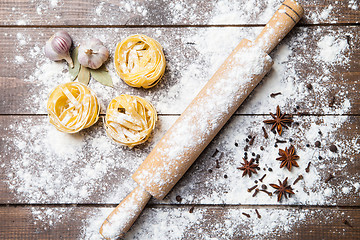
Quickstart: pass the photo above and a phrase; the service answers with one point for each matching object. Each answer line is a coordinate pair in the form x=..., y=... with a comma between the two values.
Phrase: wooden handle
x=280, y=24
x=124, y=215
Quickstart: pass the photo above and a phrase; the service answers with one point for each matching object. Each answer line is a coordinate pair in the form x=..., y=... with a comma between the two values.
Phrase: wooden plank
x=42, y=165
x=177, y=223
x=183, y=12
x=329, y=61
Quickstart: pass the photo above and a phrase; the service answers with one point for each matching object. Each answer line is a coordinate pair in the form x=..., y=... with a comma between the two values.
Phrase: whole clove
x=265, y=133
x=268, y=193
x=274, y=94
x=309, y=86
x=329, y=178
x=280, y=141
x=307, y=169
x=298, y=179
x=248, y=215
x=262, y=178
x=178, y=198
x=191, y=210
x=217, y=164
x=252, y=140
x=257, y=213
x=214, y=154
x=256, y=192
x=252, y=188
x=332, y=101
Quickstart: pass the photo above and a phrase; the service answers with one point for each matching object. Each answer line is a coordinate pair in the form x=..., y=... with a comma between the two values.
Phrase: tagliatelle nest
x=72, y=107
x=140, y=61
x=130, y=119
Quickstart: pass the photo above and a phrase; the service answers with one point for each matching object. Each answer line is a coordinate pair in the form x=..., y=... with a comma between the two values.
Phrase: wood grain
x=193, y=55
x=213, y=222
x=204, y=183
x=165, y=12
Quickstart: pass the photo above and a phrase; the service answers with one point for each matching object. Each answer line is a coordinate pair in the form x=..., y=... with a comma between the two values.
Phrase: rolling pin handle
x=280, y=24
x=125, y=214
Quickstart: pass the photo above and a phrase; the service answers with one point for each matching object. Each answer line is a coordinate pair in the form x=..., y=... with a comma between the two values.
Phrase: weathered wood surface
x=193, y=55
x=204, y=223
x=29, y=145
x=166, y=12
x=33, y=139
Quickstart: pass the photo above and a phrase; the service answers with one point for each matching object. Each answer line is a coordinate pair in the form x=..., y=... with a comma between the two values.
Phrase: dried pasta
x=72, y=107
x=140, y=61
x=130, y=120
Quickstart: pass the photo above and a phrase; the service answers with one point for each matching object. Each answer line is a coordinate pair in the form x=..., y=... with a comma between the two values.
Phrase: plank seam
x=172, y=26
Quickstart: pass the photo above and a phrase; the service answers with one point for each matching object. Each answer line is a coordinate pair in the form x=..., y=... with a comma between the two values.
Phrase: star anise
x=248, y=167
x=279, y=121
x=288, y=158
x=282, y=189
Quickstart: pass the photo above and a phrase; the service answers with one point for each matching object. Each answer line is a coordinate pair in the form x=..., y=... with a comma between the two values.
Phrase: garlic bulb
x=58, y=46
x=92, y=53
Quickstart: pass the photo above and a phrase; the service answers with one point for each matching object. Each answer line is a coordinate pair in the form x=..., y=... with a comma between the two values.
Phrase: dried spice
x=256, y=192
x=257, y=213
x=268, y=193
x=329, y=178
x=248, y=167
x=298, y=179
x=252, y=188
x=265, y=133
x=288, y=158
x=217, y=164
x=333, y=148
x=245, y=214
x=191, y=210
x=279, y=121
x=280, y=141
x=332, y=101
x=309, y=86
x=317, y=144
x=252, y=140
x=214, y=154
x=262, y=178
x=307, y=169
x=178, y=198
x=282, y=189
x=275, y=94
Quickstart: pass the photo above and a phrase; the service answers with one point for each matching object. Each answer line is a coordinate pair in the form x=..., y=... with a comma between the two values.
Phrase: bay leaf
x=102, y=76
x=84, y=75
x=75, y=70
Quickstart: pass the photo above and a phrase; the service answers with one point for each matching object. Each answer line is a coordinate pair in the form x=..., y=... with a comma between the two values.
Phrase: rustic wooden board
x=166, y=12
x=193, y=55
x=30, y=147
x=203, y=223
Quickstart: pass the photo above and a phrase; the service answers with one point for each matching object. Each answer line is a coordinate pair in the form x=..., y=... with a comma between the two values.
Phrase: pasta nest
x=72, y=107
x=130, y=119
x=140, y=61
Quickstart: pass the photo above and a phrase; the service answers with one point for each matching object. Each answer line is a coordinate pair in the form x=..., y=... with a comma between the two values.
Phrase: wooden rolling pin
x=202, y=119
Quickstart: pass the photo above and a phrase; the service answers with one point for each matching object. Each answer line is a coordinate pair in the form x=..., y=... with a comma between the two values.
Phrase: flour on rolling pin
x=202, y=120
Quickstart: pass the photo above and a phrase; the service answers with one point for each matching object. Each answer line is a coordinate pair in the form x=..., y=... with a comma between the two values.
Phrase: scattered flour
x=51, y=167
x=332, y=48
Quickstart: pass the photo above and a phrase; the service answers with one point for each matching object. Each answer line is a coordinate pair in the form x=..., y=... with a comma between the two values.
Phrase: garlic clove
x=58, y=46
x=92, y=53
